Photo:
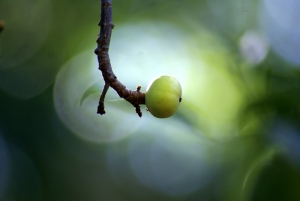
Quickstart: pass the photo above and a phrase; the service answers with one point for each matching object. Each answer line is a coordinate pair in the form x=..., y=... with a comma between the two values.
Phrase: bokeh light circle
x=253, y=47
x=27, y=24
x=141, y=52
x=81, y=117
x=19, y=178
x=25, y=178
x=173, y=160
x=280, y=21
x=134, y=64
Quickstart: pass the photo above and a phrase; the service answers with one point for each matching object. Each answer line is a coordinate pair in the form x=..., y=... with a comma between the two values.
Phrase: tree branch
x=106, y=25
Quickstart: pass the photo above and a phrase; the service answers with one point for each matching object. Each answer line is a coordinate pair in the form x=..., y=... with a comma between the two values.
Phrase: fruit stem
x=135, y=97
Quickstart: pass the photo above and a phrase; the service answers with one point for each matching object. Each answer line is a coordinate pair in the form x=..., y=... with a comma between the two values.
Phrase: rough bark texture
x=106, y=25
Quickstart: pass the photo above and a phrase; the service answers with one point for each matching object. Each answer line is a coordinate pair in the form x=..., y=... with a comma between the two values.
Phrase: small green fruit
x=163, y=96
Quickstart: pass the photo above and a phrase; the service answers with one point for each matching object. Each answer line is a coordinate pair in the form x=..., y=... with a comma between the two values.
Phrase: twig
x=106, y=25
x=2, y=24
x=101, y=101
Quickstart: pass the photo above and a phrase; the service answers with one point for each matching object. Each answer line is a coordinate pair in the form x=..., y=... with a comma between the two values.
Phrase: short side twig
x=101, y=109
x=106, y=25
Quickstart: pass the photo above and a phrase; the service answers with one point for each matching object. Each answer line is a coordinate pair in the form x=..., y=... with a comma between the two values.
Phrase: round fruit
x=163, y=96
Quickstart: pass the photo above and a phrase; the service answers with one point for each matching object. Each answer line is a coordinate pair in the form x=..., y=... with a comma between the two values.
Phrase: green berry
x=163, y=96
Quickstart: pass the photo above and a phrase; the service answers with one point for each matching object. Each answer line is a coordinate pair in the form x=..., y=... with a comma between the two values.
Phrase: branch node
x=138, y=110
x=97, y=51
x=106, y=4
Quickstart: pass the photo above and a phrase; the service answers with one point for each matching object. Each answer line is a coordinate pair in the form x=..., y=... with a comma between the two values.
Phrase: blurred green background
x=235, y=137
